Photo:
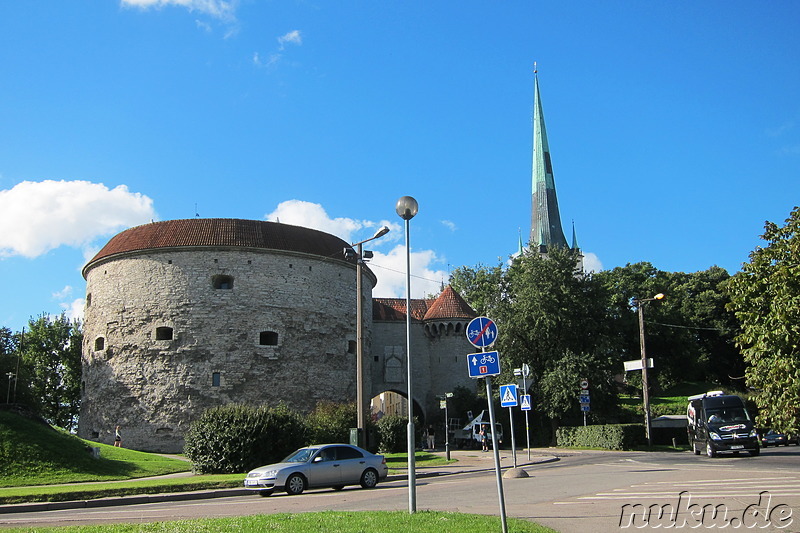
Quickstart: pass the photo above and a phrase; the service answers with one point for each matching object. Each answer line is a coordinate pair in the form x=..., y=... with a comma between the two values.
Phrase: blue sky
x=674, y=128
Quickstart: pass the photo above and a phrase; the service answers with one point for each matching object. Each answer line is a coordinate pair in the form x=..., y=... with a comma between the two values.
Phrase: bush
x=608, y=436
x=237, y=438
x=331, y=422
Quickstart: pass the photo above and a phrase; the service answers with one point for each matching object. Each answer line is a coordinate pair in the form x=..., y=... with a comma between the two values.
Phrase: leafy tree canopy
x=765, y=296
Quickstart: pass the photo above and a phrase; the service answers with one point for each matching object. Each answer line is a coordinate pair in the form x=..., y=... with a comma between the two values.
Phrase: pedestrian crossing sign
x=525, y=402
x=508, y=395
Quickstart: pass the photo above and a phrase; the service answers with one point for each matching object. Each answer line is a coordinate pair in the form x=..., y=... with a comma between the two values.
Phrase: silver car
x=323, y=465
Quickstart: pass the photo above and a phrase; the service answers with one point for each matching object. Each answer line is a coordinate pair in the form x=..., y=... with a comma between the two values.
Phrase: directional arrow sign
x=508, y=395
x=483, y=364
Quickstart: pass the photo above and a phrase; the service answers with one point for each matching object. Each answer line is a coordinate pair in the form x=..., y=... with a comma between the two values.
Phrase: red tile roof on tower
x=222, y=232
x=449, y=304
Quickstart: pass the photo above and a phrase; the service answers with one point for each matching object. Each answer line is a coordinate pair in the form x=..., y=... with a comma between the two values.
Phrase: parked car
x=325, y=465
x=773, y=438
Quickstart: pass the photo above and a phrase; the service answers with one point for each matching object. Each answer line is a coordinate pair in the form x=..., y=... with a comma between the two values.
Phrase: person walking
x=431, y=438
x=117, y=438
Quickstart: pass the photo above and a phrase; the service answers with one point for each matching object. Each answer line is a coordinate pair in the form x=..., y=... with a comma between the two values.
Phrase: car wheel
x=369, y=478
x=710, y=451
x=754, y=452
x=265, y=493
x=337, y=487
x=295, y=484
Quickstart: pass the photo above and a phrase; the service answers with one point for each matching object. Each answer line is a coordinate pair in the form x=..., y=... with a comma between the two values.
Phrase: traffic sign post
x=481, y=333
x=508, y=398
x=525, y=402
x=584, y=398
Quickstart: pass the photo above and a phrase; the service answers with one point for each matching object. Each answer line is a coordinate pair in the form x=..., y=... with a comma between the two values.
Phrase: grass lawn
x=92, y=491
x=324, y=522
x=399, y=461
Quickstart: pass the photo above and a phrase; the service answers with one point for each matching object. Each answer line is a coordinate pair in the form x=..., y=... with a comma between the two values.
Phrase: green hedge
x=608, y=436
x=237, y=438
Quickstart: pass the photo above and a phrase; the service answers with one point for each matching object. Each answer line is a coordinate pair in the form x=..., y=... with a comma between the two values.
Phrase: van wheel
x=710, y=451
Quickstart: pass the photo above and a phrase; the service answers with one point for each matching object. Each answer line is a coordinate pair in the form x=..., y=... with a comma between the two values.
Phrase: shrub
x=331, y=422
x=392, y=433
x=237, y=438
x=609, y=436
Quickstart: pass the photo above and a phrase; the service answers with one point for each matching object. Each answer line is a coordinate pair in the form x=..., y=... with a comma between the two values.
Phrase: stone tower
x=184, y=315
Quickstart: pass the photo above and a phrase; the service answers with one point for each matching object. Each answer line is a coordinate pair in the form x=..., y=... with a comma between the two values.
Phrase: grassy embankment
x=39, y=463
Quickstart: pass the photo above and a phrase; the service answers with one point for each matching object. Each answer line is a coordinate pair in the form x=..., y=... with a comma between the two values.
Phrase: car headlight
x=714, y=436
x=269, y=474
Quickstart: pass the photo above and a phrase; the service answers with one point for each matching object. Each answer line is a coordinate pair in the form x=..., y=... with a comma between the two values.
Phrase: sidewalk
x=466, y=461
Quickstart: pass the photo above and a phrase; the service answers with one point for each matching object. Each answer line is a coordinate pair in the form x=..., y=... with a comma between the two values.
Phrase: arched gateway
x=184, y=315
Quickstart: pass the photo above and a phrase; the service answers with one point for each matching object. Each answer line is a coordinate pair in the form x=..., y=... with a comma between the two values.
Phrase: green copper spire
x=574, y=237
x=545, y=219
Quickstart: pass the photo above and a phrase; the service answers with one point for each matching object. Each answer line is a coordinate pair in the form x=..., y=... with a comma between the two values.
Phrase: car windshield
x=727, y=415
x=300, y=456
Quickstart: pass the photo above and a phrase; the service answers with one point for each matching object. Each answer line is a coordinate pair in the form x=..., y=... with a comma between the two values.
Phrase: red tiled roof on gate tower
x=449, y=304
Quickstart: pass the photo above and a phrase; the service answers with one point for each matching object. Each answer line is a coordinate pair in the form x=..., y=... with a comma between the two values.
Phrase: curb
x=137, y=499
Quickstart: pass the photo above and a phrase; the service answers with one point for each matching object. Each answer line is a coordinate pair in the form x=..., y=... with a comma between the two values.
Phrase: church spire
x=545, y=218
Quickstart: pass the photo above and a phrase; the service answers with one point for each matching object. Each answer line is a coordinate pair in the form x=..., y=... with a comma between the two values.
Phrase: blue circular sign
x=481, y=332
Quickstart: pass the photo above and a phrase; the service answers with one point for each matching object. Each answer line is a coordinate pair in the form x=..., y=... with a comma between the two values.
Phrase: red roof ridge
x=449, y=305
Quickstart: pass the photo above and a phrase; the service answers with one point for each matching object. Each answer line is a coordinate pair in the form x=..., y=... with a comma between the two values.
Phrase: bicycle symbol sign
x=483, y=364
x=481, y=332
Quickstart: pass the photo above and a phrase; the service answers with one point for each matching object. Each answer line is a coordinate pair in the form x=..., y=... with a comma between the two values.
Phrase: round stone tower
x=184, y=315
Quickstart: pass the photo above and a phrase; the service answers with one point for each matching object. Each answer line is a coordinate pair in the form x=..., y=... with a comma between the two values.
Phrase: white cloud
x=74, y=309
x=449, y=225
x=220, y=9
x=390, y=268
x=36, y=217
x=292, y=37
x=591, y=263
x=63, y=293
x=391, y=272
x=310, y=215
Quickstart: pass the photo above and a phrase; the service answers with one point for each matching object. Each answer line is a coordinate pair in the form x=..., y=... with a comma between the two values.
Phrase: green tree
x=765, y=297
x=479, y=286
x=689, y=333
x=554, y=318
x=51, y=355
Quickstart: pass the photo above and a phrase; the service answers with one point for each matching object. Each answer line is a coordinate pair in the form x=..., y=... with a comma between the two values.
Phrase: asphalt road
x=585, y=491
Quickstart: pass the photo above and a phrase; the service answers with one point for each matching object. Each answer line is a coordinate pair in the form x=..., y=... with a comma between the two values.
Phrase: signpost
x=482, y=333
x=584, y=398
x=508, y=398
x=525, y=402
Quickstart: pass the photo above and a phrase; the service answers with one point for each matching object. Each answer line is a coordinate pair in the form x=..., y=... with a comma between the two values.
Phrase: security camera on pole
x=482, y=333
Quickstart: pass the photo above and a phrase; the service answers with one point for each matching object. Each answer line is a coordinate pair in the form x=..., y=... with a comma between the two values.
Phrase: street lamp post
x=407, y=207
x=360, y=417
x=640, y=303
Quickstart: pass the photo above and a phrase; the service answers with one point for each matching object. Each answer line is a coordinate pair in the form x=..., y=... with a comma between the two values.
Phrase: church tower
x=545, y=219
